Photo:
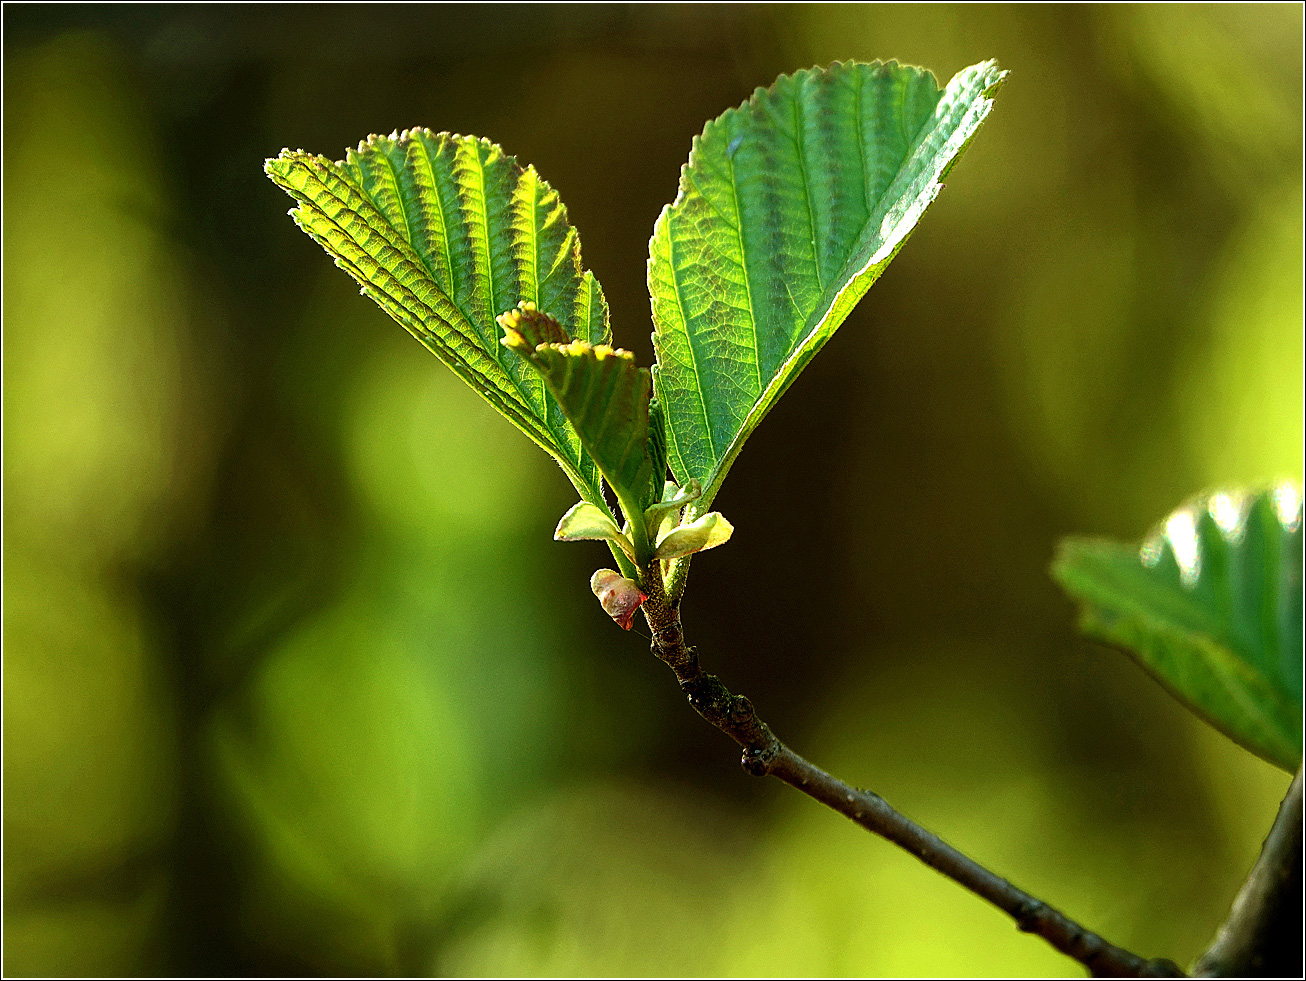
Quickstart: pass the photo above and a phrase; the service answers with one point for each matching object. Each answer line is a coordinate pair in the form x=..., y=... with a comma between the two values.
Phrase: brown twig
x=1263, y=935
x=764, y=754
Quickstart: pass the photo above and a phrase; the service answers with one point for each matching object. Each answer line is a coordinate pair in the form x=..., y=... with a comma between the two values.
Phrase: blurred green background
x=296, y=681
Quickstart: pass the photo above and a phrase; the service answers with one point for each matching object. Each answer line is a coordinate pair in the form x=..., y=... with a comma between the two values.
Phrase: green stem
x=624, y=565
x=594, y=495
x=637, y=532
x=675, y=585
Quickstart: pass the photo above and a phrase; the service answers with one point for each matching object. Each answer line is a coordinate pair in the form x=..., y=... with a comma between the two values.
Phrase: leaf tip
x=526, y=327
x=278, y=167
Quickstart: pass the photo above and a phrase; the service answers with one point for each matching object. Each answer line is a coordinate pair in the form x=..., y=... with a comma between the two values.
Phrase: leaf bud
x=619, y=597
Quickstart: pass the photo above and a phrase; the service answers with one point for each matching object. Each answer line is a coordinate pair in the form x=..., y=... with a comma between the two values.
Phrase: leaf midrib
x=801, y=145
x=439, y=210
x=744, y=266
x=829, y=298
x=689, y=342
x=489, y=255
x=523, y=409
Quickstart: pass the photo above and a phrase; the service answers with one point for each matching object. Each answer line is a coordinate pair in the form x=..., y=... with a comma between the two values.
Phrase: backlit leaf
x=603, y=393
x=446, y=232
x=709, y=531
x=585, y=522
x=789, y=209
x=1211, y=605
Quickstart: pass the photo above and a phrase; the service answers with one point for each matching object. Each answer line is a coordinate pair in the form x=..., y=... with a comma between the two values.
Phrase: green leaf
x=1211, y=605
x=585, y=522
x=445, y=232
x=709, y=531
x=526, y=327
x=657, y=442
x=660, y=518
x=789, y=209
x=604, y=395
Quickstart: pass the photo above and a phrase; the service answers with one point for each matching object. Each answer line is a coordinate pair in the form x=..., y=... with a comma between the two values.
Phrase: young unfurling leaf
x=709, y=531
x=585, y=521
x=660, y=518
x=605, y=395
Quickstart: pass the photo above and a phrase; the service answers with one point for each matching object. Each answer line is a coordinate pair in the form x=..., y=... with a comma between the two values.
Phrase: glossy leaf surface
x=1211, y=605
x=446, y=232
x=789, y=209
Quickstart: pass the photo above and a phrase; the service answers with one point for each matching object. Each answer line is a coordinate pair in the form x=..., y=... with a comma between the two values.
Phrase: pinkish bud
x=620, y=597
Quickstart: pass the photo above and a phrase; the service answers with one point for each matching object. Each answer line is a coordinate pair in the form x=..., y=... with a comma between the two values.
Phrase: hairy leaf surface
x=603, y=393
x=586, y=522
x=446, y=232
x=789, y=209
x=1211, y=605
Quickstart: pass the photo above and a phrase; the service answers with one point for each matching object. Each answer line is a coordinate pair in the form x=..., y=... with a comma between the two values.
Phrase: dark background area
x=296, y=680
